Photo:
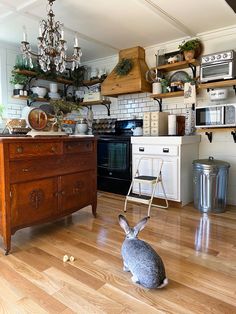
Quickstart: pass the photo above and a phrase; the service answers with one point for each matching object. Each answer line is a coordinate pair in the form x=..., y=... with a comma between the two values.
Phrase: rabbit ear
x=124, y=224
x=140, y=225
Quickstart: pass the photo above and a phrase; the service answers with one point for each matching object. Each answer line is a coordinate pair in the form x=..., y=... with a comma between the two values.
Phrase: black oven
x=114, y=164
x=114, y=158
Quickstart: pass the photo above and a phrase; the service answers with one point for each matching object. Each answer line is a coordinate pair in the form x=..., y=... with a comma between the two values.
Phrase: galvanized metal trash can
x=210, y=180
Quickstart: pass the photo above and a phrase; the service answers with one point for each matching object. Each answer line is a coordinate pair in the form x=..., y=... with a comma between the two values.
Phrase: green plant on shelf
x=17, y=78
x=165, y=84
x=191, y=44
x=61, y=105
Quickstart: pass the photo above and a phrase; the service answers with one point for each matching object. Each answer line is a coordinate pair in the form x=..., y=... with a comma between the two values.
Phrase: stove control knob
x=212, y=58
x=218, y=57
x=207, y=59
x=225, y=55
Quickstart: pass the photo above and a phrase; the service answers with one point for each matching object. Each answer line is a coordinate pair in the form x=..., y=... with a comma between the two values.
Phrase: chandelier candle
x=51, y=46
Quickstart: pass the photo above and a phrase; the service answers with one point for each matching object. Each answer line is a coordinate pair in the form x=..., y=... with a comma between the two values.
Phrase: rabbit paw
x=125, y=268
x=134, y=279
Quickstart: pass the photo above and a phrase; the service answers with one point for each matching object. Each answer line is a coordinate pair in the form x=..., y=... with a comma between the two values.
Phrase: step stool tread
x=146, y=178
x=143, y=197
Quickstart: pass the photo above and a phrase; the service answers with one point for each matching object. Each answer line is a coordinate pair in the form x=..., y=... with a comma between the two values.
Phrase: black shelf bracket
x=234, y=87
x=233, y=133
x=209, y=135
x=66, y=86
x=159, y=102
x=108, y=108
x=193, y=68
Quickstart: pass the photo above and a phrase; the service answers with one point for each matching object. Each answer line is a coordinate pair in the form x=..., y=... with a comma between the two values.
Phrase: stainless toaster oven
x=218, y=66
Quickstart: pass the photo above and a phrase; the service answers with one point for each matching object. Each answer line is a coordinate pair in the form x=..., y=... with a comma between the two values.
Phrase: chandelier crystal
x=51, y=46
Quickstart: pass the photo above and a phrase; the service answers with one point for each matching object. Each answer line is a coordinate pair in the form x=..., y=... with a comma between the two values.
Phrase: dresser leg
x=7, y=244
x=94, y=208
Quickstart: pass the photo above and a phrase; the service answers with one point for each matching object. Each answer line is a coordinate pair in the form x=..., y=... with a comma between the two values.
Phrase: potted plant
x=189, y=48
x=165, y=85
x=18, y=80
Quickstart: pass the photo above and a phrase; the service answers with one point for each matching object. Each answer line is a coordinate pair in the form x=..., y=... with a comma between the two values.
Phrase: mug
x=156, y=88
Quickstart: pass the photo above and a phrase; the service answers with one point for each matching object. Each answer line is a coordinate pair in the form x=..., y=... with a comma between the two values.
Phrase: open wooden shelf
x=168, y=95
x=27, y=98
x=222, y=129
x=98, y=102
x=176, y=66
x=226, y=83
x=92, y=82
x=34, y=74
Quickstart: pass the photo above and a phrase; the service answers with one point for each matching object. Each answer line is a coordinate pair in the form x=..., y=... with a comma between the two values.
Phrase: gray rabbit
x=140, y=258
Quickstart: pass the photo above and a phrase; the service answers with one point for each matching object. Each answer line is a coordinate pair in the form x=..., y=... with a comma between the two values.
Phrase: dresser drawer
x=25, y=170
x=19, y=150
x=162, y=150
x=78, y=147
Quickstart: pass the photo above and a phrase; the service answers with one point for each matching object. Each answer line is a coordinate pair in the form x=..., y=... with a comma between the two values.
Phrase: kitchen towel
x=189, y=94
x=172, y=124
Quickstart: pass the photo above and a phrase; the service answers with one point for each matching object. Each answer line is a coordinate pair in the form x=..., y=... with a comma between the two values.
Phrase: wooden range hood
x=134, y=82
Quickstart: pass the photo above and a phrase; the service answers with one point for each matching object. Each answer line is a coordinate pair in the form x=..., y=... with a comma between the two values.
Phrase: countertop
x=171, y=140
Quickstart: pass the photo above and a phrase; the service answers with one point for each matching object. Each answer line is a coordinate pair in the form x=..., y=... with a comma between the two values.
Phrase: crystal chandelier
x=51, y=46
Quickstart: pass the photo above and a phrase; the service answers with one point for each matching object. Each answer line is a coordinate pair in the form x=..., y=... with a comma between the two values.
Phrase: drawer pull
x=165, y=150
x=25, y=169
x=141, y=149
x=19, y=149
x=69, y=147
x=53, y=149
x=62, y=192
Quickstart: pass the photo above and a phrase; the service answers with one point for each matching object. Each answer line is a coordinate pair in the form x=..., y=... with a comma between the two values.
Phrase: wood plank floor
x=199, y=254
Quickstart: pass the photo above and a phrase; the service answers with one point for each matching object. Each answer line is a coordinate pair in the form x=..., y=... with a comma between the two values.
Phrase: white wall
x=126, y=106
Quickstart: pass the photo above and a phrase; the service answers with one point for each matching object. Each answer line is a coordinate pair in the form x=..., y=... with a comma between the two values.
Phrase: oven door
x=210, y=116
x=114, y=157
x=216, y=71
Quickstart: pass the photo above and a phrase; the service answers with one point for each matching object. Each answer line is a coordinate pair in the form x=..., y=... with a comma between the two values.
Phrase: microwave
x=215, y=116
x=218, y=66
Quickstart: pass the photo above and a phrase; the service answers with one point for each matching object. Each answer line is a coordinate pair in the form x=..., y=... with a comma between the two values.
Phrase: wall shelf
x=27, y=98
x=38, y=77
x=213, y=85
x=209, y=132
x=173, y=67
x=168, y=95
x=177, y=65
x=33, y=74
x=92, y=82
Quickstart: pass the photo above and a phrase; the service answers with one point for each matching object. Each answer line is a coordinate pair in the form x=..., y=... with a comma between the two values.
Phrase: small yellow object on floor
x=65, y=258
x=72, y=259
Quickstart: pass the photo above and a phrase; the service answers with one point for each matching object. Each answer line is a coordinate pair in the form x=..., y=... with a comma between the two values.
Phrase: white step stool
x=142, y=179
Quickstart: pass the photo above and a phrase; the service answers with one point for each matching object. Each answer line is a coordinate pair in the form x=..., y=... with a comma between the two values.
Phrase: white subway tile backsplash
x=172, y=106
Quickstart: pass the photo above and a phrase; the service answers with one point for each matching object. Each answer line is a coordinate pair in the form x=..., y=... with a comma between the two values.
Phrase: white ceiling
x=106, y=26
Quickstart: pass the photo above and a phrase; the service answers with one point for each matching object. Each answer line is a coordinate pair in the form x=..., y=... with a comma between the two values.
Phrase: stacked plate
x=54, y=95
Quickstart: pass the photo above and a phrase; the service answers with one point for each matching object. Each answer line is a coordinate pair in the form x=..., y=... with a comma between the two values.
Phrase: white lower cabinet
x=177, y=154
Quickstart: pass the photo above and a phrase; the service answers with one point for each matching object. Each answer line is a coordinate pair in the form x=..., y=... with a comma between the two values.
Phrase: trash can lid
x=211, y=162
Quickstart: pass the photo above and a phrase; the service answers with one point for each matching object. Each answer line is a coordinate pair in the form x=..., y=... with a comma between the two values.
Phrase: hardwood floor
x=199, y=254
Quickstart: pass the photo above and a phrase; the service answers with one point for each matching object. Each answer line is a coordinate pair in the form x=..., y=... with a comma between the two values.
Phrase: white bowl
x=40, y=91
